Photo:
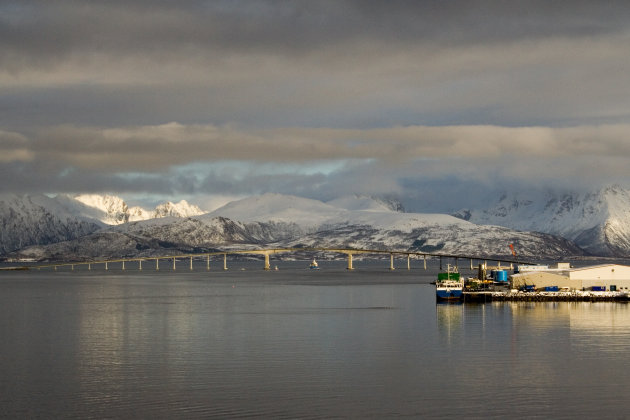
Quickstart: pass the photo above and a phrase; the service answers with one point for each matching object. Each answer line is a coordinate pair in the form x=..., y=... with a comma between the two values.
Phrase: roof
x=590, y=267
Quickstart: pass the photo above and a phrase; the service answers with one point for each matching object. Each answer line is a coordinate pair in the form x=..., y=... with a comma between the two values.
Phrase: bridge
x=349, y=252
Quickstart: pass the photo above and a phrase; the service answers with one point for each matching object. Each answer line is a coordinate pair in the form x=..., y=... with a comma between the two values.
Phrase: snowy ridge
x=597, y=221
x=113, y=210
x=274, y=220
x=316, y=215
x=38, y=219
x=181, y=209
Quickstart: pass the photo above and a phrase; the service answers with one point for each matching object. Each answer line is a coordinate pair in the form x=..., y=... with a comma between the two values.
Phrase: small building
x=605, y=276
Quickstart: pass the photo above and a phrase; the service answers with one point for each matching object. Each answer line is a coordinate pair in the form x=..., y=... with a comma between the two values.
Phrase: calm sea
x=296, y=343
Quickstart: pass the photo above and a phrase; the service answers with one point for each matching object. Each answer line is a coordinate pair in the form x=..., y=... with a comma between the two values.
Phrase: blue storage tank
x=501, y=275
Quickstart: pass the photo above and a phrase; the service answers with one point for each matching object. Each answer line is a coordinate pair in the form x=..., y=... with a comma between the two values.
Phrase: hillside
x=597, y=221
x=38, y=219
x=274, y=220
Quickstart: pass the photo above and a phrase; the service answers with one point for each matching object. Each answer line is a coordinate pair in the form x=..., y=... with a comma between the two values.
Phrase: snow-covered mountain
x=312, y=215
x=597, y=221
x=280, y=221
x=108, y=209
x=181, y=209
x=38, y=219
x=113, y=210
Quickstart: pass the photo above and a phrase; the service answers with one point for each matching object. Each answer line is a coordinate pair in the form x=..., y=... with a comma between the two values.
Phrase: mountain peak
x=115, y=210
x=181, y=209
x=597, y=220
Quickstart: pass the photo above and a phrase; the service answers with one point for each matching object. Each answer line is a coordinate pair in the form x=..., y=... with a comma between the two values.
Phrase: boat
x=314, y=265
x=449, y=286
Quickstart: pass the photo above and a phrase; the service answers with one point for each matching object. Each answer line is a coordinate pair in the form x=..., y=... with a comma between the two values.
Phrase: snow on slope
x=181, y=209
x=277, y=208
x=113, y=210
x=314, y=215
x=597, y=221
x=275, y=220
x=38, y=219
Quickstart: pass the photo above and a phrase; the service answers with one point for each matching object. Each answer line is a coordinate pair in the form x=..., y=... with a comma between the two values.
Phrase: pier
x=572, y=296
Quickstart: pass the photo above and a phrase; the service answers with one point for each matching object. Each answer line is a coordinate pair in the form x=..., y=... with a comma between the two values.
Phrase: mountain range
x=275, y=220
x=539, y=225
x=596, y=221
x=40, y=220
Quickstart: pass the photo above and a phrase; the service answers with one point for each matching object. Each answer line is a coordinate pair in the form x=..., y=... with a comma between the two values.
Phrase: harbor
x=542, y=296
x=536, y=283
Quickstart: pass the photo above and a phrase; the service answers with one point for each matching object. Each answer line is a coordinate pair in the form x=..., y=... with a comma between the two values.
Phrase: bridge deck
x=266, y=252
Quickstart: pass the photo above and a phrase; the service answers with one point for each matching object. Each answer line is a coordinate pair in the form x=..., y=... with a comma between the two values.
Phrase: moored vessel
x=449, y=285
x=314, y=265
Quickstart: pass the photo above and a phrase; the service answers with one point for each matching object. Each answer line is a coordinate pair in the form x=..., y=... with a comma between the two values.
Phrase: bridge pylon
x=267, y=266
x=350, y=267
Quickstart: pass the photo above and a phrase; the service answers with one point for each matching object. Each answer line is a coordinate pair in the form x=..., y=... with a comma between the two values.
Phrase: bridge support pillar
x=350, y=267
x=55, y=268
x=173, y=264
x=123, y=265
x=425, y=261
x=89, y=267
x=471, y=265
x=408, y=262
x=208, y=263
x=191, y=269
x=391, y=262
x=225, y=261
x=157, y=264
x=267, y=266
x=139, y=265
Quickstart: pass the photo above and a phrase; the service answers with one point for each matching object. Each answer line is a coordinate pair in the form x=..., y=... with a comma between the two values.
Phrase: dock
x=520, y=296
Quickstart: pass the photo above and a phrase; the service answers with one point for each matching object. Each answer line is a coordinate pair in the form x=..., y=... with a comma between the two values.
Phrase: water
x=296, y=343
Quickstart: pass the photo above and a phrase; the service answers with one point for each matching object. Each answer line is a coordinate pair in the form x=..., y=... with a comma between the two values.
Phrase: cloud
x=153, y=148
x=229, y=160
x=314, y=98
x=341, y=63
x=14, y=147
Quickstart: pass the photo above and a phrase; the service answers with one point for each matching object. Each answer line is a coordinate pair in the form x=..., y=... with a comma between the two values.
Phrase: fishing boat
x=449, y=286
x=314, y=265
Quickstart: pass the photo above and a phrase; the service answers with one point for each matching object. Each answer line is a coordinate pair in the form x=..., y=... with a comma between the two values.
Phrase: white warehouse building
x=609, y=276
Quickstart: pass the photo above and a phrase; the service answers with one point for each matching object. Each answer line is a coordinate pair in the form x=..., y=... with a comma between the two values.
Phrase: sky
x=442, y=104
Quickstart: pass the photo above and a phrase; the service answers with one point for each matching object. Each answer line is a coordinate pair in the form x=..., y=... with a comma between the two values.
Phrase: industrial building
x=604, y=277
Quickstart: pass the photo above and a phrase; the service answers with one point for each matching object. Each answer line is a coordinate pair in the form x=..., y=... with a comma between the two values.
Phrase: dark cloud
x=393, y=92
x=321, y=163
x=38, y=29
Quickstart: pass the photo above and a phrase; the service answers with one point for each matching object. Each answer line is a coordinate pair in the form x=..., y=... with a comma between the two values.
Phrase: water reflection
x=449, y=317
x=243, y=345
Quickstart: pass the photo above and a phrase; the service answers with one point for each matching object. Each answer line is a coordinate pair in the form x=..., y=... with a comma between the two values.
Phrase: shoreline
x=574, y=296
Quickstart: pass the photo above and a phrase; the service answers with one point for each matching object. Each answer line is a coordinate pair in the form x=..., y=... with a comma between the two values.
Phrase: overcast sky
x=436, y=102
